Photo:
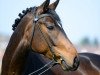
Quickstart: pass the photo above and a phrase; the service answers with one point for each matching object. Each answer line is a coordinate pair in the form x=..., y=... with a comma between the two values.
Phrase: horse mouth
x=66, y=67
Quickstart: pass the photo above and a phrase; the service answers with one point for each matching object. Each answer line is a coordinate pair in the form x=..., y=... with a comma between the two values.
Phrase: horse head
x=39, y=29
x=50, y=39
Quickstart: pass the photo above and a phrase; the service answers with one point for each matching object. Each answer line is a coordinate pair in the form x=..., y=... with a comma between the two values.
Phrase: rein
x=46, y=65
x=53, y=62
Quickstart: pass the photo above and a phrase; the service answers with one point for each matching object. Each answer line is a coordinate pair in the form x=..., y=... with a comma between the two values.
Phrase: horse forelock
x=54, y=14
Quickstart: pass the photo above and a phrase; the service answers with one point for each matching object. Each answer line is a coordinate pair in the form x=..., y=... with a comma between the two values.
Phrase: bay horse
x=89, y=65
x=39, y=29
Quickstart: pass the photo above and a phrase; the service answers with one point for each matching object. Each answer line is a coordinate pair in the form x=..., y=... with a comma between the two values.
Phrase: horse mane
x=24, y=12
x=21, y=15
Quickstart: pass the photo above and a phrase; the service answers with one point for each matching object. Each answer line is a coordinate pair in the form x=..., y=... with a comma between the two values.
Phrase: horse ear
x=45, y=5
x=54, y=5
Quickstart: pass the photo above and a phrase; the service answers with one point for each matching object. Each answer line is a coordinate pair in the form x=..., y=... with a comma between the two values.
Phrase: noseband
x=50, y=44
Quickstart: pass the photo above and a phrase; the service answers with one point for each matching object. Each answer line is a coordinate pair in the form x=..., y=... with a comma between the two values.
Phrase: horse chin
x=66, y=67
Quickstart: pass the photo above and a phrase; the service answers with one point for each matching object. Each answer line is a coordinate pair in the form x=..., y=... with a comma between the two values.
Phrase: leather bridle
x=50, y=44
x=35, y=22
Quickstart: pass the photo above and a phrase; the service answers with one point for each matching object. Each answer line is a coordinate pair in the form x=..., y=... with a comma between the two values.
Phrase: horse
x=40, y=30
x=89, y=65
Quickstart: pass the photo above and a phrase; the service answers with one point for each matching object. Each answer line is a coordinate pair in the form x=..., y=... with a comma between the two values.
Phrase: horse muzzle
x=66, y=67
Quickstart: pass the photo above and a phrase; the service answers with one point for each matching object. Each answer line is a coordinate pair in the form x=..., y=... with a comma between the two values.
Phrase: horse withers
x=39, y=29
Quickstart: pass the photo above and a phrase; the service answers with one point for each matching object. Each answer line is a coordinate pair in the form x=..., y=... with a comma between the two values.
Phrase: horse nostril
x=76, y=59
x=76, y=62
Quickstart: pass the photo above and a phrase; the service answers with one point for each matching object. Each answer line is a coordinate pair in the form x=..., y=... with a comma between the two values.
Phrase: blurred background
x=80, y=20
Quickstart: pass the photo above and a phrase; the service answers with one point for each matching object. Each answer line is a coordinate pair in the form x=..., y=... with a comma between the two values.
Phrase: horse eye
x=50, y=27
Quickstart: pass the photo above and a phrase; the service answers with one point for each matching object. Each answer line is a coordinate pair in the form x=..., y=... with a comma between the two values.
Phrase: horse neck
x=16, y=51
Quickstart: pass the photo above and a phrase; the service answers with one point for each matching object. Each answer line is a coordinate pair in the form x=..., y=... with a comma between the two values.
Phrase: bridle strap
x=44, y=67
x=36, y=19
x=48, y=43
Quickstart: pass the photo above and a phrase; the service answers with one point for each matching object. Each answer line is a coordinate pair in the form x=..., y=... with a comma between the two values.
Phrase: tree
x=85, y=41
x=96, y=43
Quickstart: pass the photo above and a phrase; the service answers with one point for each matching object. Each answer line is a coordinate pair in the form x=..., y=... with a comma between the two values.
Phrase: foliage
x=86, y=41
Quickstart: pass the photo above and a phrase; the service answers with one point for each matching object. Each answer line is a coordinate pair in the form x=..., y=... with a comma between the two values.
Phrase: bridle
x=50, y=44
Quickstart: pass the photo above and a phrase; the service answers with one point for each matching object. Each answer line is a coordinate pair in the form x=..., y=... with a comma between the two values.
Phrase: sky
x=80, y=18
